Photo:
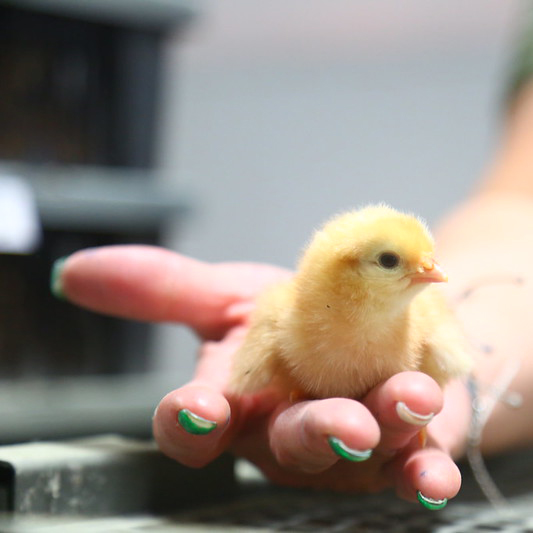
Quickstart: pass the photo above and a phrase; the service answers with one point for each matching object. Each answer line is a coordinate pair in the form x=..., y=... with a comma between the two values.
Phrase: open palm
x=291, y=443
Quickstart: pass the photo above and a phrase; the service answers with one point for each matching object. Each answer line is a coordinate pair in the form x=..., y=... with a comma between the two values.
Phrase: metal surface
x=270, y=510
x=260, y=507
x=329, y=513
x=105, y=475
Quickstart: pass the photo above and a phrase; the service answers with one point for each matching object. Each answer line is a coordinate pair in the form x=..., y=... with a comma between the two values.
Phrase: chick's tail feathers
x=257, y=361
x=254, y=365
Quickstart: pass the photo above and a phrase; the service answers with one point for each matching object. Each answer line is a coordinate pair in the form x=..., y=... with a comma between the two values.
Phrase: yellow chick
x=360, y=309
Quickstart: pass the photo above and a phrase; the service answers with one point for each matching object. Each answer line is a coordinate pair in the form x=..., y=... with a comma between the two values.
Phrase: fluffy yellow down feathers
x=361, y=308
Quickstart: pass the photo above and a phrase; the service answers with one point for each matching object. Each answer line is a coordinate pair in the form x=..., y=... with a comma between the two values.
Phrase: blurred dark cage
x=79, y=107
x=80, y=85
x=77, y=91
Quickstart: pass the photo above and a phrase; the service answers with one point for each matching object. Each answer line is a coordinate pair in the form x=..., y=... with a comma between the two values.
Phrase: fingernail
x=56, y=285
x=194, y=424
x=411, y=417
x=430, y=503
x=348, y=453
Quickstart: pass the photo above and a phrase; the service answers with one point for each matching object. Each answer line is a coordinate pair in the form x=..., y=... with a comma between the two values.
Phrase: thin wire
x=481, y=412
x=482, y=409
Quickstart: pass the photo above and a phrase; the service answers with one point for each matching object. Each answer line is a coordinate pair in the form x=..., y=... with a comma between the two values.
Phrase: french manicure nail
x=56, y=285
x=351, y=454
x=430, y=503
x=411, y=417
x=195, y=424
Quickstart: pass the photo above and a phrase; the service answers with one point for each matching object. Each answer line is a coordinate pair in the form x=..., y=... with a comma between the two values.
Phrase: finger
x=190, y=424
x=196, y=423
x=429, y=475
x=153, y=284
x=403, y=405
x=311, y=436
x=137, y=282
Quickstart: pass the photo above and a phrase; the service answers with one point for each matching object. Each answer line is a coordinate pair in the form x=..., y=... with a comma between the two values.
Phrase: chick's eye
x=388, y=260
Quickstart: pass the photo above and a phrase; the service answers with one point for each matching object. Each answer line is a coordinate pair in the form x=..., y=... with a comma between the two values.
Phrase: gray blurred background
x=226, y=131
x=279, y=114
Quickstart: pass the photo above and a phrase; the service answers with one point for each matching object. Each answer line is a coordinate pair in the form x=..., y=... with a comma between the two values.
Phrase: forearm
x=486, y=246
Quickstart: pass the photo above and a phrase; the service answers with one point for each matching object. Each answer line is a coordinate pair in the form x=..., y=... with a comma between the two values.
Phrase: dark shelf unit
x=79, y=103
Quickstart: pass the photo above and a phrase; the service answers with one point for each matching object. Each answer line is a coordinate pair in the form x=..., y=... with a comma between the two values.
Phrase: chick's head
x=376, y=251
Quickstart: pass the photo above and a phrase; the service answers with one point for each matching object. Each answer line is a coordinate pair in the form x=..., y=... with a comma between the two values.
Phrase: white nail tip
x=411, y=417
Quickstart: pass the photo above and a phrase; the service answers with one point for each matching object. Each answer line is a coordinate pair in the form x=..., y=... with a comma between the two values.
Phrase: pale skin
x=486, y=238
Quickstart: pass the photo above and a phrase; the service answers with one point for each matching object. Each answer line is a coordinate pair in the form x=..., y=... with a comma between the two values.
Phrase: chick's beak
x=429, y=271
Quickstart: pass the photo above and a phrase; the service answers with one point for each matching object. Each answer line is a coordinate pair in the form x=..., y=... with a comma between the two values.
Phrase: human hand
x=288, y=442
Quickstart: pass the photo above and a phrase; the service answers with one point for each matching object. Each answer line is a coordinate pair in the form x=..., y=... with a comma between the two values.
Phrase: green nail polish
x=194, y=424
x=348, y=453
x=430, y=503
x=56, y=286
